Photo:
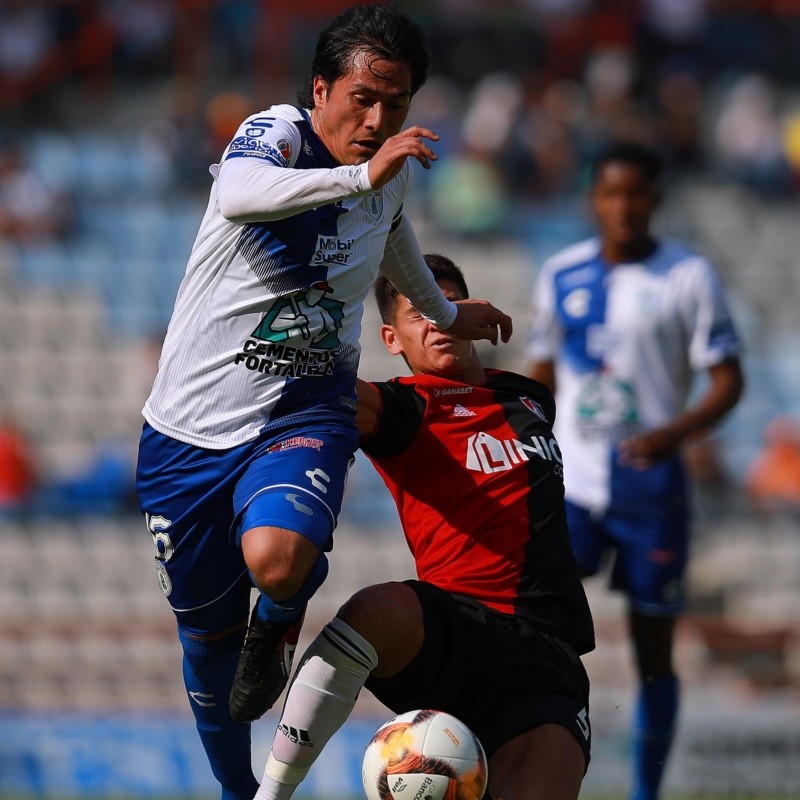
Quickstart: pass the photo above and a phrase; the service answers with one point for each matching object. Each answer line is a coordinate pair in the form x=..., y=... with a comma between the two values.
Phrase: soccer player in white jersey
x=621, y=324
x=250, y=426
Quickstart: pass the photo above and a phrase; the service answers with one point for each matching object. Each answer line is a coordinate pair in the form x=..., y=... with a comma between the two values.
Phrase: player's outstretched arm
x=404, y=265
x=479, y=319
x=369, y=408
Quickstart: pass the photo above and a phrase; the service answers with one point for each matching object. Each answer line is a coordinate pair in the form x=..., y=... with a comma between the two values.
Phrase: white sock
x=320, y=698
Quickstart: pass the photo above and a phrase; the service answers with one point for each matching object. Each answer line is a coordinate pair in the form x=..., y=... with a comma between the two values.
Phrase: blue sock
x=653, y=728
x=208, y=670
x=293, y=608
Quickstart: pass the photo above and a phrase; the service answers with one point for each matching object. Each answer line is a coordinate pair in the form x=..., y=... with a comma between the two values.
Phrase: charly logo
x=203, y=699
x=294, y=499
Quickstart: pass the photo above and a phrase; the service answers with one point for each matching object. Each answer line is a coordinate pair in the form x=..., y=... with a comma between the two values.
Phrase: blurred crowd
x=523, y=93
x=532, y=87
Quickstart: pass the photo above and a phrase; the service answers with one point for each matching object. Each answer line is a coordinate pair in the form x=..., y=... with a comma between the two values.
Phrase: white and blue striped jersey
x=267, y=319
x=626, y=341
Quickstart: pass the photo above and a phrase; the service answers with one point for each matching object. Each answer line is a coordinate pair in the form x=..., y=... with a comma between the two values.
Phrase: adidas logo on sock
x=460, y=411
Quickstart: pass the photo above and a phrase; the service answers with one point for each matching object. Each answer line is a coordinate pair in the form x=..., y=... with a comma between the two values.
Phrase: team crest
x=374, y=204
x=163, y=578
x=532, y=405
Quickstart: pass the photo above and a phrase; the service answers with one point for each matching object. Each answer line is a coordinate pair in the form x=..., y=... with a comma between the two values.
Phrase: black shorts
x=496, y=673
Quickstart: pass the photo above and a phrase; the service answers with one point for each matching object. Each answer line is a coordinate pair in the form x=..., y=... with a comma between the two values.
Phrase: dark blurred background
x=111, y=112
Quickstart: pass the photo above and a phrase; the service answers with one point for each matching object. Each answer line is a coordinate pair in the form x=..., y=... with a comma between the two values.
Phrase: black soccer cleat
x=264, y=667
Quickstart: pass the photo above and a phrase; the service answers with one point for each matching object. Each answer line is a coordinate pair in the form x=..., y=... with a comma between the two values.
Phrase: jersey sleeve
x=712, y=334
x=545, y=333
x=404, y=265
x=257, y=181
x=402, y=410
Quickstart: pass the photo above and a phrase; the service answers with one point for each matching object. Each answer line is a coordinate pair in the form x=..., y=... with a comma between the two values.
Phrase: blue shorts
x=650, y=553
x=198, y=502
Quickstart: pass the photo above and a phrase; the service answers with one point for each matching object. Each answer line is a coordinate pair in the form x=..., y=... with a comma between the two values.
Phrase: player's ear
x=390, y=341
x=319, y=90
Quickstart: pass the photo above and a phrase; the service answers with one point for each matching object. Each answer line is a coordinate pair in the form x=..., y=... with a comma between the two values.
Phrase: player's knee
x=386, y=606
x=280, y=561
x=278, y=581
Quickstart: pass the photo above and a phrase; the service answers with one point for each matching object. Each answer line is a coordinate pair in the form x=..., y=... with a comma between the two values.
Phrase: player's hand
x=479, y=319
x=392, y=154
x=642, y=452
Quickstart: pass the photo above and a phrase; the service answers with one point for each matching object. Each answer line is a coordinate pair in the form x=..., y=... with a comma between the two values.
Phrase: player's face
x=624, y=201
x=358, y=112
x=426, y=349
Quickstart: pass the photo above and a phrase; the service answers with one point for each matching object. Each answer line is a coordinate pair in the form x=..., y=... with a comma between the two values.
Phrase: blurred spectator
x=467, y=196
x=234, y=24
x=748, y=135
x=545, y=163
x=791, y=144
x=17, y=473
x=739, y=37
x=679, y=99
x=223, y=115
x=30, y=210
x=144, y=30
x=773, y=480
x=670, y=29
x=27, y=32
x=614, y=112
x=467, y=190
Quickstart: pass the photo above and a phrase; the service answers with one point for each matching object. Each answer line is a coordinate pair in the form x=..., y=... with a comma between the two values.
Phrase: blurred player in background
x=621, y=324
x=493, y=630
x=251, y=423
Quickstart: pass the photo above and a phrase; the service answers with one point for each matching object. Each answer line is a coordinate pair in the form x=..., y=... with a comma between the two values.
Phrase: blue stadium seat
x=54, y=158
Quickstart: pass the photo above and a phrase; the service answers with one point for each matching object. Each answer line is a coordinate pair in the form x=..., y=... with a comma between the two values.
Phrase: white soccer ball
x=424, y=755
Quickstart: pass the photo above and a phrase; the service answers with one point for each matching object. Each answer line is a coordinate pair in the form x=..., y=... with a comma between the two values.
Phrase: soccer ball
x=424, y=755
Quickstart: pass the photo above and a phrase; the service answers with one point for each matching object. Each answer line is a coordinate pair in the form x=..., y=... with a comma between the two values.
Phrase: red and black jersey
x=477, y=477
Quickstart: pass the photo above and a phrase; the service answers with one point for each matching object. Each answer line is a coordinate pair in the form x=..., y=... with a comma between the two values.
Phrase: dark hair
x=644, y=158
x=382, y=31
x=443, y=269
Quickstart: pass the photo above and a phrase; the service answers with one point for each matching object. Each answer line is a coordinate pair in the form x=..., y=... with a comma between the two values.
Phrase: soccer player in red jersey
x=493, y=629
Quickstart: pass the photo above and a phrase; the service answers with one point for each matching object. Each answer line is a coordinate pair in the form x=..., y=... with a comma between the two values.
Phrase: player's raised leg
x=288, y=570
x=379, y=631
x=287, y=504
